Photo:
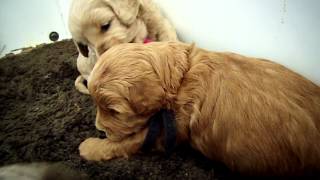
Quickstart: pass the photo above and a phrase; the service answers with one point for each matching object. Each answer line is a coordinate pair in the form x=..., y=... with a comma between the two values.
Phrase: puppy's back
x=257, y=116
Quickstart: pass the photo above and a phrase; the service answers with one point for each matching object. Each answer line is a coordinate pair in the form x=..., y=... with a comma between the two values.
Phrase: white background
x=26, y=23
x=285, y=31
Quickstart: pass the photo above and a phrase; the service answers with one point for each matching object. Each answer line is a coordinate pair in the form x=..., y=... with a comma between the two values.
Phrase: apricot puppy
x=254, y=115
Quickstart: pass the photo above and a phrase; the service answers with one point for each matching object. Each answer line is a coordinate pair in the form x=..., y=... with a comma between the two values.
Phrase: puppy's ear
x=146, y=96
x=125, y=10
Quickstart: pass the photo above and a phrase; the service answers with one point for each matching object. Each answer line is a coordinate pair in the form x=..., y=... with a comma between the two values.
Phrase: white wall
x=29, y=22
x=285, y=31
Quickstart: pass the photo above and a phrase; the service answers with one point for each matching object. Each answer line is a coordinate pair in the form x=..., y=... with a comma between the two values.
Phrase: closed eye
x=105, y=27
x=113, y=112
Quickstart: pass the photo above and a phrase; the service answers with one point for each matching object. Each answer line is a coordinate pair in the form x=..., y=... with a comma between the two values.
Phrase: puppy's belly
x=253, y=127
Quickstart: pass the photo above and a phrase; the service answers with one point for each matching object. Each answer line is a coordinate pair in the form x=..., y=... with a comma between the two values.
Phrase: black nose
x=83, y=49
x=102, y=135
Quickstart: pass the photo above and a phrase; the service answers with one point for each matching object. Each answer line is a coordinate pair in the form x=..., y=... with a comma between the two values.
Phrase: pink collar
x=147, y=40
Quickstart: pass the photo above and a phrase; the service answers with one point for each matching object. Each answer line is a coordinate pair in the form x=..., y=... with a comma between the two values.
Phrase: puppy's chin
x=99, y=126
x=105, y=134
x=117, y=138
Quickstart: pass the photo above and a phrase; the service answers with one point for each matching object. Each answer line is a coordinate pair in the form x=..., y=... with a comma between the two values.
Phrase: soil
x=43, y=118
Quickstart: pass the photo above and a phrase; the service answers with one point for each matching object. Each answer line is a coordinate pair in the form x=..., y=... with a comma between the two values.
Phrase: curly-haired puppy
x=254, y=115
x=97, y=25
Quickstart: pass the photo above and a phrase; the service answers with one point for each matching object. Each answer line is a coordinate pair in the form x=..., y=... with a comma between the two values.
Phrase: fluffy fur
x=254, y=115
x=97, y=25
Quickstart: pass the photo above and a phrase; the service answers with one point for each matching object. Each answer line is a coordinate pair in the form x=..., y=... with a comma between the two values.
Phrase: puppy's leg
x=80, y=86
x=96, y=149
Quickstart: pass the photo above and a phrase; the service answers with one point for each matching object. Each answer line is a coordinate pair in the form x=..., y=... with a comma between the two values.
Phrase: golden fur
x=128, y=20
x=254, y=115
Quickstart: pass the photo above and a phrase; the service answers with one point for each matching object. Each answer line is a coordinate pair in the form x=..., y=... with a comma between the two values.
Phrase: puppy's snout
x=99, y=126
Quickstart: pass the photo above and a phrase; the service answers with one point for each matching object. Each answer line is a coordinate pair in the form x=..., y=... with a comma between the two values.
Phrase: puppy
x=256, y=116
x=97, y=25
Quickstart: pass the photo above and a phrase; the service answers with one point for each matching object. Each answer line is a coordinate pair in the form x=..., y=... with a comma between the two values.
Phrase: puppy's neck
x=174, y=63
x=180, y=107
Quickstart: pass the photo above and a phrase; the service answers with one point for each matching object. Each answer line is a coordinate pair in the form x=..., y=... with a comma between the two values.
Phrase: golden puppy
x=97, y=25
x=254, y=115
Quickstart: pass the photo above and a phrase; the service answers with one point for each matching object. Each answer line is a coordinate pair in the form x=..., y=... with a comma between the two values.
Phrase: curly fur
x=128, y=20
x=254, y=115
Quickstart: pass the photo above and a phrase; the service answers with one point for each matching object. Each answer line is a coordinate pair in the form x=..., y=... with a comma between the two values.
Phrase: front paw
x=95, y=149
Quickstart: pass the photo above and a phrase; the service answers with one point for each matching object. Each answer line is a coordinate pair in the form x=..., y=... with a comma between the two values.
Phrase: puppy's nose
x=83, y=49
x=102, y=135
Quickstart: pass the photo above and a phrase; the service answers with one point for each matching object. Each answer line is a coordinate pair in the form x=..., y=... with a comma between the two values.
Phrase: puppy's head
x=131, y=82
x=101, y=24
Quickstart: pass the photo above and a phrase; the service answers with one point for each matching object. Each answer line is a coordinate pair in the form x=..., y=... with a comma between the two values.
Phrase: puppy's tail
x=80, y=86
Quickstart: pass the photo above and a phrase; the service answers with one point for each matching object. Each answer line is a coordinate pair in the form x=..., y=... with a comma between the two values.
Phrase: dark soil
x=44, y=119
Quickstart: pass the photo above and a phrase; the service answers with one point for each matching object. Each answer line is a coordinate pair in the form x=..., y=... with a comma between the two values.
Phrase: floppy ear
x=146, y=96
x=125, y=10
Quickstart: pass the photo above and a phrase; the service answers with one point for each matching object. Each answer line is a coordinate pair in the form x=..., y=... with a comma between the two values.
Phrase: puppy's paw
x=95, y=149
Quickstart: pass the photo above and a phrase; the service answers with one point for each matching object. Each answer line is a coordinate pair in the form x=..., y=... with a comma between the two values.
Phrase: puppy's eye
x=105, y=28
x=113, y=112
